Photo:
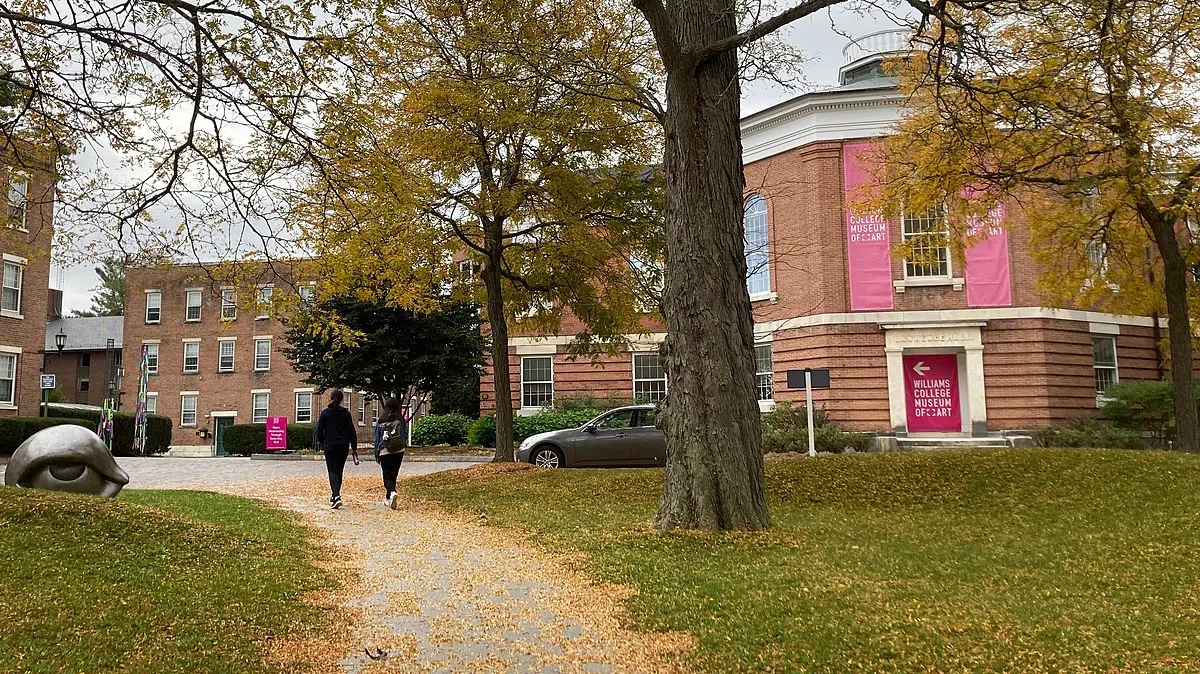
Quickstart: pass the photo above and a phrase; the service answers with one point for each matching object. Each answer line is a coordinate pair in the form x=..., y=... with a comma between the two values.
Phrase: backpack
x=394, y=437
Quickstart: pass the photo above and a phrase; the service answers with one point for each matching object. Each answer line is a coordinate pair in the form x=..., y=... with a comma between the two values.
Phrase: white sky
x=821, y=38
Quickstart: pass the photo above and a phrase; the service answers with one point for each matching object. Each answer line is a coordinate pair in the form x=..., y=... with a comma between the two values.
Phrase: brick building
x=27, y=187
x=88, y=368
x=212, y=361
x=946, y=348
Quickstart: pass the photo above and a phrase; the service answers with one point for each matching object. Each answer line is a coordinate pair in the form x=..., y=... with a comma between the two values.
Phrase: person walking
x=338, y=439
x=391, y=438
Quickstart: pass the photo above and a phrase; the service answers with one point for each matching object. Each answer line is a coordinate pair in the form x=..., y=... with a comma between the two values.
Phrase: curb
x=446, y=458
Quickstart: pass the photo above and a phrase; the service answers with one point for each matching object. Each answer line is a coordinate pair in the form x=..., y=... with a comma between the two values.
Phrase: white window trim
x=264, y=306
x=153, y=395
x=15, y=352
x=296, y=405
x=232, y=305
x=221, y=342
x=196, y=420
x=767, y=294
x=186, y=342
x=769, y=401
x=633, y=372
x=362, y=409
x=21, y=264
x=269, y=346
x=157, y=356
x=531, y=409
x=159, y=307
x=18, y=177
x=186, y=296
x=1116, y=366
x=254, y=407
x=931, y=280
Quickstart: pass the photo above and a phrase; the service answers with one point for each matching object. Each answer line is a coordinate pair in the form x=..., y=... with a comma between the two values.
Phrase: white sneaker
x=337, y=503
x=391, y=501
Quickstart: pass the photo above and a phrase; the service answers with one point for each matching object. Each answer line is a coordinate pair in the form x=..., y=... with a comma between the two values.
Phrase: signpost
x=276, y=433
x=48, y=382
x=810, y=378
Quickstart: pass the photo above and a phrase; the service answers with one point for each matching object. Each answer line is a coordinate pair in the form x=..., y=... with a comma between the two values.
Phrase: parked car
x=625, y=436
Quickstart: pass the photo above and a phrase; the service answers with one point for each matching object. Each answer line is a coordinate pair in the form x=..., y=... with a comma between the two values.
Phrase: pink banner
x=988, y=281
x=931, y=393
x=276, y=433
x=868, y=247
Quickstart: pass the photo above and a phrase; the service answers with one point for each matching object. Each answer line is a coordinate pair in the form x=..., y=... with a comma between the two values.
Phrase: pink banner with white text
x=868, y=244
x=989, y=283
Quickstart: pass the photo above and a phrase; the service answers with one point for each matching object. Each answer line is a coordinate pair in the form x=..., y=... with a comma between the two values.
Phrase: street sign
x=48, y=381
x=820, y=377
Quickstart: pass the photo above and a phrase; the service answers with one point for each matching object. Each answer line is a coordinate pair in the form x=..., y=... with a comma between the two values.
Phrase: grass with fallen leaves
x=153, y=582
x=1014, y=560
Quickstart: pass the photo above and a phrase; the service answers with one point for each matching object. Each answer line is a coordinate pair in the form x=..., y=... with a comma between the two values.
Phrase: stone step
x=944, y=443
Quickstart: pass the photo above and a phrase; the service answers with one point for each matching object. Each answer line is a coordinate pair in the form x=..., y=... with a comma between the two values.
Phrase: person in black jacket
x=337, y=437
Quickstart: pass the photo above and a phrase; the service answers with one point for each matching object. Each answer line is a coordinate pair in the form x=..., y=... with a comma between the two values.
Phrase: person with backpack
x=391, y=439
x=338, y=439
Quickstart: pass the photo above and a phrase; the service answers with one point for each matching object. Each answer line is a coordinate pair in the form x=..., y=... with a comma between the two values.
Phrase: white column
x=976, y=391
x=895, y=376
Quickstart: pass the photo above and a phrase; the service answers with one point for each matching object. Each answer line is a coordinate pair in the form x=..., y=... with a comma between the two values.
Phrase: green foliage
x=182, y=581
x=457, y=395
x=1146, y=406
x=15, y=430
x=54, y=396
x=109, y=299
x=483, y=431
x=589, y=401
x=785, y=429
x=158, y=428
x=440, y=429
x=247, y=439
x=1088, y=433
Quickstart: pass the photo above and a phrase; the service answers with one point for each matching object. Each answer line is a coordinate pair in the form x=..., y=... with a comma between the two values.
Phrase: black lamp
x=60, y=341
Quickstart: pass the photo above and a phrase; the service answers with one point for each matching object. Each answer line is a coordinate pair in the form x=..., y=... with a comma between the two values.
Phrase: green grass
x=153, y=582
x=1021, y=560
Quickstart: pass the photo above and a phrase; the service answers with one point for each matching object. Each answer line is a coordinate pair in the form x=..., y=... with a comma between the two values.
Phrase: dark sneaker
x=337, y=502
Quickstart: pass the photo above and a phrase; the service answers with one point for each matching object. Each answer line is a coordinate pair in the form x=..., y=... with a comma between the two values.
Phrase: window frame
x=525, y=395
x=910, y=268
x=22, y=179
x=757, y=254
x=636, y=379
x=196, y=367
x=296, y=408
x=257, y=355
x=262, y=302
x=152, y=409
x=188, y=306
x=183, y=398
x=221, y=354
x=1097, y=367
x=157, y=295
x=228, y=304
x=20, y=288
x=266, y=408
x=14, y=359
x=767, y=375
x=152, y=367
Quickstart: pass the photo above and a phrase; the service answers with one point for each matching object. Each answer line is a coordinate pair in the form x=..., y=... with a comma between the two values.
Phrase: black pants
x=390, y=465
x=335, y=463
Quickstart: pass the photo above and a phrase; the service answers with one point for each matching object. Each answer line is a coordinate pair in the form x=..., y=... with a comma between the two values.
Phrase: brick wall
x=70, y=370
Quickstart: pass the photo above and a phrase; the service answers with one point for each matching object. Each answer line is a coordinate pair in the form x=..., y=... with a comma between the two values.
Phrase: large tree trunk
x=1179, y=335
x=499, y=329
x=714, y=475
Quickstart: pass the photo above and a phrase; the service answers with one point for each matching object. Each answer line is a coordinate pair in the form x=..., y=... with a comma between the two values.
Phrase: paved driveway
x=214, y=473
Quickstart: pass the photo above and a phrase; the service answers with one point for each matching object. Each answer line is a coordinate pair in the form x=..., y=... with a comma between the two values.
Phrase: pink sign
x=276, y=433
x=931, y=393
x=988, y=280
x=868, y=248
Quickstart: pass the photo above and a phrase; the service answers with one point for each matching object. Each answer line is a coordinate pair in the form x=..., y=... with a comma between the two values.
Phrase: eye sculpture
x=66, y=458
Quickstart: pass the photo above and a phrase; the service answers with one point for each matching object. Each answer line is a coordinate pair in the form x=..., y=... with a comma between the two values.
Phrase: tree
x=389, y=350
x=454, y=158
x=109, y=297
x=1082, y=112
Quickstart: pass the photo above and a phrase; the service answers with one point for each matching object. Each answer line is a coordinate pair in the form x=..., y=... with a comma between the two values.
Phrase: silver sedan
x=625, y=436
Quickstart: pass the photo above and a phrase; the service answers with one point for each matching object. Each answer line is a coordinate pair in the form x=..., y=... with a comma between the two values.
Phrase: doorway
x=219, y=426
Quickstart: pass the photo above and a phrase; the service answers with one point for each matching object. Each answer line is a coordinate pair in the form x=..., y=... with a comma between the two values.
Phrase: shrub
x=247, y=439
x=589, y=401
x=482, y=432
x=1088, y=433
x=15, y=430
x=440, y=429
x=828, y=438
x=158, y=428
x=786, y=416
x=1147, y=406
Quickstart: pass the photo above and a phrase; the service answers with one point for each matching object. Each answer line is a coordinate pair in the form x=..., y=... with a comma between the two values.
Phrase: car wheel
x=547, y=457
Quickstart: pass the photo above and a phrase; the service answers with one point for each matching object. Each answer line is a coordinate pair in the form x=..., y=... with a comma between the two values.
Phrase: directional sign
x=921, y=368
x=48, y=381
x=820, y=377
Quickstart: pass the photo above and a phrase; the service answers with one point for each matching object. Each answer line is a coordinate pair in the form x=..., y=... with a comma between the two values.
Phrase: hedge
x=483, y=432
x=158, y=428
x=1088, y=433
x=440, y=429
x=247, y=439
x=785, y=429
x=15, y=430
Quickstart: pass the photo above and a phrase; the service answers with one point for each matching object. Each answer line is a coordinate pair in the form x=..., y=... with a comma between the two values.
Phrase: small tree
x=109, y=297
x=347, y=341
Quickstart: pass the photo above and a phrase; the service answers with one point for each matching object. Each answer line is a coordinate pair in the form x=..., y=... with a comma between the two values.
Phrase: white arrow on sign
x=921, y=368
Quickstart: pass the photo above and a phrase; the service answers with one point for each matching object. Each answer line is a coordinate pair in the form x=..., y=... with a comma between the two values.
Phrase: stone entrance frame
x=962, y=338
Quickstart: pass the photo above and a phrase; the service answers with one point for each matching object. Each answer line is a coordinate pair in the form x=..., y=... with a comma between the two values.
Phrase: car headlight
x=524, y=445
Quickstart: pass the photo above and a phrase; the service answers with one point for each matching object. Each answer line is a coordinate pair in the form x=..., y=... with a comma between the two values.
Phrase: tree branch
x=757, y=31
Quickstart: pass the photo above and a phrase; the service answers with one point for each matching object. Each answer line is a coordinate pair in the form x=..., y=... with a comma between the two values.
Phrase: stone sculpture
x=66, y=458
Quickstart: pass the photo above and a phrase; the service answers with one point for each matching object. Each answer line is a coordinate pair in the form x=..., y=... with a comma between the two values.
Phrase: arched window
x=758, y=268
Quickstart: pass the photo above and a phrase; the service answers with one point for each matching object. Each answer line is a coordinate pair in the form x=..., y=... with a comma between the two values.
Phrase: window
x=306, y=293
x=225, y=349
x=187, y=406
x=18, y=200
x=84, y=385
x=927, y=244
x=264, y=302
x=151, y=403
x=1104, y=360
x=228, y=304
x=764, y=373
x=758, y=268
x=537, y=381
x=194, y=300
x=8, y=378
x=649, y=378
x=153, y=307
x=262, y=355
x=14, y=275
x=304, y=407
x=362, y=410
x=151, y=358
x=374, y=411
x=262, y=403
x=191, y=357
x=85, y=360
x=1096, y=250
x=616, y=420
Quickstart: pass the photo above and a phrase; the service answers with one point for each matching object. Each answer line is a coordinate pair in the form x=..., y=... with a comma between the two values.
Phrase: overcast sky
x=821, y=38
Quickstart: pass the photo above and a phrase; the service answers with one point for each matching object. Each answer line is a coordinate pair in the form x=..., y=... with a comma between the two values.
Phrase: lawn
x=153, y=582
x=1015, y=560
